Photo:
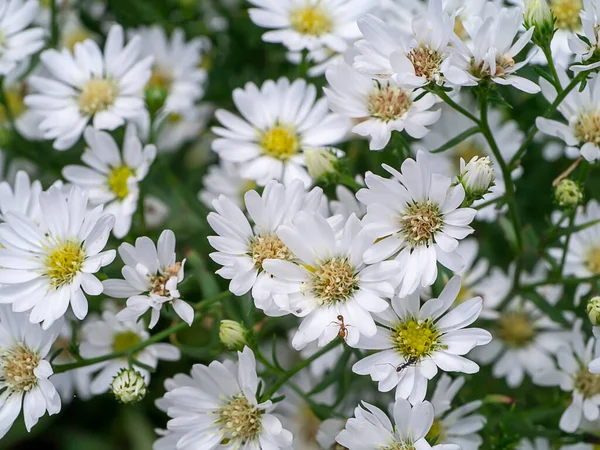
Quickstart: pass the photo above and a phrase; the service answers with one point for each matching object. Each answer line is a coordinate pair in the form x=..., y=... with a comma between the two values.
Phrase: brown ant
x=343, y=333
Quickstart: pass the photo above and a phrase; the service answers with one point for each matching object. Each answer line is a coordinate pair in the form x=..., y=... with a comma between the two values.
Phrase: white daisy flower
x=88, y=85
x=380, y=107
x=279, y=121
x=328, y=431
x=242, y=248
x=174, y=129
x=330, y=285
x=110, y=176
x=151, y=274
x=23, y=198
x=586, y=49
x=458, y=426
x=371, y=429
x=176, y=66
x=105, y=335
x=310, y=24
x=412, y=60
x=347, y=203
x=544, y=444
x=47, y=267
x=224, y=179
x=19, y=42
x=415, y=217
x=490, y=53
x=231, y=417
x=24, y=370
x=582, y=113
x=473, y=273
x=414, y=340
x=573, y=375
x=72, y=30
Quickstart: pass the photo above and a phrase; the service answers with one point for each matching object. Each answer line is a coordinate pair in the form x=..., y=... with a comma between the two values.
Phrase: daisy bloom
x=19, y=42
x=107, y=334
x=458, y=426
x=346, y=203
x=371, y=429
x=415, y=217
x=87, y=85
x=174, y=129
x=230, y=418
x=581, y=133
x=419, y=339
x=412, y=60
x=587, y=45
x=151, y=274
x=310, y=24
x=490, y=53
x=47, y=267
x=330, y=280
x=328, y=431
x=111, y=176
x=544, y=444
x=224, y=179
x=280, y=120
x=176, y=66
x=23, y=198
x=242, y=247
x=24, y=370
x=379, y=107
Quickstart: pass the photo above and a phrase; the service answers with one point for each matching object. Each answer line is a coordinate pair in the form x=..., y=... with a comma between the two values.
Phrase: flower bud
x=320, y=162
x=155, y=98
x=233, y=334
x=477, y=177
x=593, y=310
x=568, y=194
x=128, y=386
x=539, y=15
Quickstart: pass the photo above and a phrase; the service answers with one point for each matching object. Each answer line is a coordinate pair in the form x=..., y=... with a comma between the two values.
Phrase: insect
x=343, y=333
x=411, y=361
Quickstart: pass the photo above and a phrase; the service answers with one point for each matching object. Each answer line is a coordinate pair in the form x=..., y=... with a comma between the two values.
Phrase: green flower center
x=436, y=431
x=515, y=329
x=592, y=260
x=125, y=340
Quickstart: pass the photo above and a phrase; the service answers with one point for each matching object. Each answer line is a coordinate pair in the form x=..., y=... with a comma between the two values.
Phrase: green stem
x=457, y=140
x=548, y=54
x=441, y=94
x=298, y=367
x=489, y=202
x=55, y=33
x=561, y=281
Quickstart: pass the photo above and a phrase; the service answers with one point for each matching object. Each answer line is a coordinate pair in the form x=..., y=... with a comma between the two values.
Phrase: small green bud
x=128, y=386
x=155, y=98
x=233, y=334
x=320, y=162
x=477, y=177
x=568, y=194
x=593, y=310
x=538, y=14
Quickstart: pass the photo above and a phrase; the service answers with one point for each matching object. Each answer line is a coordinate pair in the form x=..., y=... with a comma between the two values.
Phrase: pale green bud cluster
x=129, y=386
x=233, y=334
x=568, y=194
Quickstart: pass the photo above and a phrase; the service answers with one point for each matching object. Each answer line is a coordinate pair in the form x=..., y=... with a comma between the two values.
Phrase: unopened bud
x=498, y=399
x=538, y=14
x=593, y=310
x=233, y=334
x=320, y=162
x=568, y=194
x=129, y=386
x=155, y=98
x=477, y=177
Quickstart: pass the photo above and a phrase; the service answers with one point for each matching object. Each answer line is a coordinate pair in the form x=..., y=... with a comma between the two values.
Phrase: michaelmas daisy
x=46, y=267
x=280, y=120
x=217, y=407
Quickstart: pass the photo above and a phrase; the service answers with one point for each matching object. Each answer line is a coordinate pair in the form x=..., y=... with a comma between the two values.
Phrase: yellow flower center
x=97, y=95
x=416, y=338
x=592, y=260
x=334, y=281
x=241, y=421
x=567, y=13
x=420, y=223
x=16, y=368
x=515, y=329
x=125, y=340
x=63, y=262
x=14, y=99
x=586, y=383
x=389, y=103
x=311, y=20
x=74, y=37
x=587, y=128
x=268, y=246
x=436, y=431
x=426, y=62
x=280, y=142
x=117, y=181
x=160, y=78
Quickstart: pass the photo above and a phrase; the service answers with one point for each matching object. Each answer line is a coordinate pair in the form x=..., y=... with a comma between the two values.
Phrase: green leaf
x=457, y=140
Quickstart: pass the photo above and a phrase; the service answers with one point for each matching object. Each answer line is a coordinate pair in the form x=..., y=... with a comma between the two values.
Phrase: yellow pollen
x=426, y=62
x=280, y=142
x=268, y=246
x=159, y=283
x=311, y=20
x=421, y=222
x=586, y=383
x=97, y=95
x=74, y=37
x=16, y=368
x=587, y=127
x=515, y=329
x=240, y=420
x=592, y=260
x=416, y=339
x=63, y=262
x=389, y=103
x=160, y=78
x=334, y=281
x=125, y=340
x=567, y=13
x=436, y=431
x=117, y=181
